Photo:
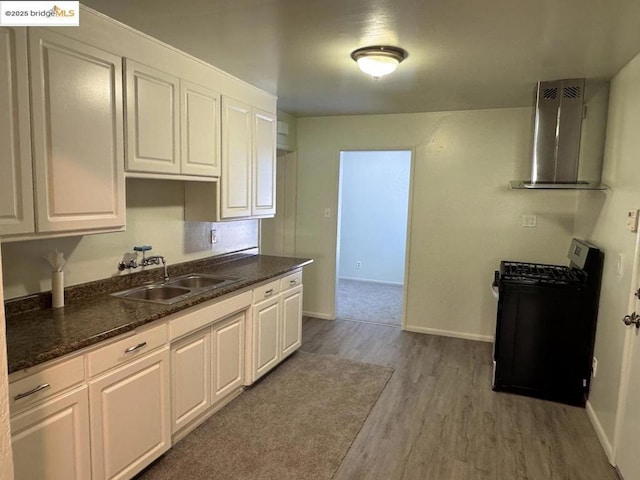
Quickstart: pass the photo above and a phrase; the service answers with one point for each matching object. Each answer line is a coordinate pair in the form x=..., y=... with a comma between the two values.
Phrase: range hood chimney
x=558, y=138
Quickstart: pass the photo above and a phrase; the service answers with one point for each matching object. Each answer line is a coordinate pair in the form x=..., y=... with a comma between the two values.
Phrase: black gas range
x=545, y=328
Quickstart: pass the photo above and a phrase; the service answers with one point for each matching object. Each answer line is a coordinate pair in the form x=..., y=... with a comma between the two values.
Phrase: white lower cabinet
x=291, y=332
x=276, y=329
x=227, y=356
x=206, y=367
x=51, y=440
x=266, y=321
x=190, y=378
x=130, y=416
x=110, y=412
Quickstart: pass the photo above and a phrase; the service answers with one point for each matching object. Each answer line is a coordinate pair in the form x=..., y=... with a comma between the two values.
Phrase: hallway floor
x=369, y=302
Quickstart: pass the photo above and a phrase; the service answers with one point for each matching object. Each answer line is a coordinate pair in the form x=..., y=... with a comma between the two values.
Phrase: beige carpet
x=369, y=302
x=297, y=423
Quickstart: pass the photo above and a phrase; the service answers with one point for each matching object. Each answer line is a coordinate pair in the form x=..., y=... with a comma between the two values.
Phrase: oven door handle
x=494, y=286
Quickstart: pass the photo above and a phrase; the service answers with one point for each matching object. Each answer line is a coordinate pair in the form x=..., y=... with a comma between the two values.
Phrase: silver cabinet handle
x=39, y=388
x=137, y=347
x=268, y=292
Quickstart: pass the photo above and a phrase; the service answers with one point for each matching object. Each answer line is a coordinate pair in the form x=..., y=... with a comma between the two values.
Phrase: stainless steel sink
x=199, y=281
x=177, y=289
x=157, y=293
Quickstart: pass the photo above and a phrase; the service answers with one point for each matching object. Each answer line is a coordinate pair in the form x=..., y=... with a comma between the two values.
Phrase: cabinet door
x=16, y=188
x=153, y=129
x=199, y=108
x=130, y=417
x=263, y=197
x=266, y=336
x=291, y=320
x=51, y=441
x=77, y=134
x=190, y=378
x=236, y=159
x=227, y=359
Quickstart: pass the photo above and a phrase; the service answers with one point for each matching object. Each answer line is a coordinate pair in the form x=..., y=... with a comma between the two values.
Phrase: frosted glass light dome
x=380, y=60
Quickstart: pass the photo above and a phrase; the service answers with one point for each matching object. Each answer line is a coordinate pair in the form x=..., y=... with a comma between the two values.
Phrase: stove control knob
x=633, y=319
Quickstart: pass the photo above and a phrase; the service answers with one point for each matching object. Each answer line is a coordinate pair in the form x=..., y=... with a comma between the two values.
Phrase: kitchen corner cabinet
x=172, y=125
x=77, y=120
x=16, y=189
x=276, y=329
x=51, y=440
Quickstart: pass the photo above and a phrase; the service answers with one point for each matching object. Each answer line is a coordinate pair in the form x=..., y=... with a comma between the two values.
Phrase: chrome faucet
x=130, y=260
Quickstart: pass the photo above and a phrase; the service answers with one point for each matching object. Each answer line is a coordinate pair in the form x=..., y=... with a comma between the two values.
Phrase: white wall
x=464, y=218
x=155, y=216
x=374, y=197
x=601, y=218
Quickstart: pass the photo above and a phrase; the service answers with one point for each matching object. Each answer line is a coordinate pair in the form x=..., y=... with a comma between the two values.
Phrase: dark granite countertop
x=37, y=333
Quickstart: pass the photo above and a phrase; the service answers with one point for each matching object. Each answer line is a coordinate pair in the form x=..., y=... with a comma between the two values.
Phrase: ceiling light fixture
x=379, y=60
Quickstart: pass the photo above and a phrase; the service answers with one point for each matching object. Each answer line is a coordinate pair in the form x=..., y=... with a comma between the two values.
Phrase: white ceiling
x=463, y=54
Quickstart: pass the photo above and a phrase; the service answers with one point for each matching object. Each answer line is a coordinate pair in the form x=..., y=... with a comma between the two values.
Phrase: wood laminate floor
x=439, y=419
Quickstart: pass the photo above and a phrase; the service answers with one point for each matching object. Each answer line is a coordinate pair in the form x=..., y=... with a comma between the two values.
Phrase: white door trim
x=336, y=256
x=626, y=356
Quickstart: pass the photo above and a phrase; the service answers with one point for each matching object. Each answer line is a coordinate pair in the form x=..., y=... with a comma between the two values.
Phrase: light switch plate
x=632, y=220
x=529, y=221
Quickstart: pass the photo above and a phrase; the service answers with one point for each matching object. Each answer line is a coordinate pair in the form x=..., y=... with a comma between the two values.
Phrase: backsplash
x=155, y=216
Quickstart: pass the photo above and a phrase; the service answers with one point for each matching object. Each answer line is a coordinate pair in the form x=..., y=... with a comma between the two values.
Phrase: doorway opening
x=373, y=212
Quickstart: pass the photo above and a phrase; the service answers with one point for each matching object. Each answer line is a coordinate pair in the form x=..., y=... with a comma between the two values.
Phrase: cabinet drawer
x=266, y=291
x=42, y=385
x=126, y=349
x=291, y=281
x=185, y=323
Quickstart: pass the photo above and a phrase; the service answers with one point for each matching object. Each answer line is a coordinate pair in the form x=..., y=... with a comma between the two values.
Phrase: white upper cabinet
x=173, y=125
x=76, y=93
x=263, y=199
x=16, y=190
x=248, y=187
x=200, y=114
x=236, y=159
x=153, y=113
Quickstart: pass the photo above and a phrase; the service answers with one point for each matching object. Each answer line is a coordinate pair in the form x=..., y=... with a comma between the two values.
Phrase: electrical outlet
x=214, y=236
x=594, y=367
x=358, y=265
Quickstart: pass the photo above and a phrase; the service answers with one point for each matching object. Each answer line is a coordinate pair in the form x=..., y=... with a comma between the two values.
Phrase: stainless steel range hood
x=568, y=137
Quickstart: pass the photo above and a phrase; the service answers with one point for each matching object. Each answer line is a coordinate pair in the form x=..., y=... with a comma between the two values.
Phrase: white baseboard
x=366, y=280
x=449, y=333
x=602, y=436
x=322, y=316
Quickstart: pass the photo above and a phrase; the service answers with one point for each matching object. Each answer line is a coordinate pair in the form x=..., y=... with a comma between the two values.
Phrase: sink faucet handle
x=129, y=260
